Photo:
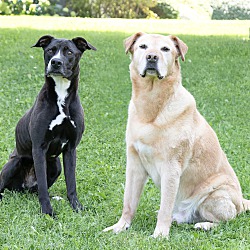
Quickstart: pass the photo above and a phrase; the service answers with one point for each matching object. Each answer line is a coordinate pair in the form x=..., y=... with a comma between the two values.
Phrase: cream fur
x=168, y=140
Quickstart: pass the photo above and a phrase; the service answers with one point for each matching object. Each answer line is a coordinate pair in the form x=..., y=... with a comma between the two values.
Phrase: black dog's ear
x=44, y=41
x=82, y=44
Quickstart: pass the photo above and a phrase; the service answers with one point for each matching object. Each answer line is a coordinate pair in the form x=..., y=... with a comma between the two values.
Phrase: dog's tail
x=246, y=205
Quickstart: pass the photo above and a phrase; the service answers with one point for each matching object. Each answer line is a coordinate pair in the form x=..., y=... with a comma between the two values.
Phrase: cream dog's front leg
x=136, y=177
x=170, y=178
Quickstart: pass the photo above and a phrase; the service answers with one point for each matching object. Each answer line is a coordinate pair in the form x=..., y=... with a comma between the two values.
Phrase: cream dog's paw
x=120, y=226
x=205, y=225
x=161, y=232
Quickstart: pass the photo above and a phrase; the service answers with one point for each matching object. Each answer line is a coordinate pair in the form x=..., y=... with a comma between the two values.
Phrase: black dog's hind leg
x=54, y=169
x=10, y=176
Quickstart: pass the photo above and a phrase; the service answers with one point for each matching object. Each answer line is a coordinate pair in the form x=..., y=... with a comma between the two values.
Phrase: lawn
x=216, y=72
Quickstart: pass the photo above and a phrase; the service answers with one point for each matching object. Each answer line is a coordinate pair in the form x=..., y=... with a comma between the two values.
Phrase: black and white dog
x=54, y=125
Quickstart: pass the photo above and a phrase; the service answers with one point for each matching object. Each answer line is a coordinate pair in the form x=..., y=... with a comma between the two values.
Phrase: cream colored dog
x=168, y=140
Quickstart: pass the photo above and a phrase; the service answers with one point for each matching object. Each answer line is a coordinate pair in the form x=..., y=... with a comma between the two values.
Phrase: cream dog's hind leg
x=218, y=207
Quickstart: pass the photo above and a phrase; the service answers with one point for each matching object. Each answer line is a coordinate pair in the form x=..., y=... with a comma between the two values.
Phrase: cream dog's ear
x=130, y=41
x=181, y=47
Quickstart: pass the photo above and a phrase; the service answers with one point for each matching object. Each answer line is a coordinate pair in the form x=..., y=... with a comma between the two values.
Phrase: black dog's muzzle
x=56, y=63
x=56, y=67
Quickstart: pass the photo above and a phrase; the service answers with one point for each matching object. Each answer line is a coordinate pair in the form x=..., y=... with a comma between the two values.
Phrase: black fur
x=34, y=163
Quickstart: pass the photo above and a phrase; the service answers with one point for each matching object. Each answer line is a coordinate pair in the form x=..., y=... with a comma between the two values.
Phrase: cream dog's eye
x=143, y=46
x=165, y=49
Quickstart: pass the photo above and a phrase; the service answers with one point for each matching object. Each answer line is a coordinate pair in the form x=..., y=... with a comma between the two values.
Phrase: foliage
x=184, y=9
x=138, y=8
x=164, y=9
x=203, y=9
x=231, y=9
x=4, y=8
x=110, y=8
x=17, y=7
x=170, y=9
x=216, y=72
x=33, y=7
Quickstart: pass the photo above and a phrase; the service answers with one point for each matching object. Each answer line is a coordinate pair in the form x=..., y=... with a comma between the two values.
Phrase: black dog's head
x=62, y=56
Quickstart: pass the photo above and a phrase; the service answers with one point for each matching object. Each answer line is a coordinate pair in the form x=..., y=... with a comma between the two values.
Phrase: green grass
x=216, y=72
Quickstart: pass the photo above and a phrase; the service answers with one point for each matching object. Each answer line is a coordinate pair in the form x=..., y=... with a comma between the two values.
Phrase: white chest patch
x=149, y=161
x=64, y=143
x=145, y=152
x=61, y=87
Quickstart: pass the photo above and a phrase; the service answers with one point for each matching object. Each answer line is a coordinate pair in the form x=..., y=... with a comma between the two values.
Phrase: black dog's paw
x=76, y=205
x=47, y=209
x=1, y=197
x=51, y=214
x=79, y=207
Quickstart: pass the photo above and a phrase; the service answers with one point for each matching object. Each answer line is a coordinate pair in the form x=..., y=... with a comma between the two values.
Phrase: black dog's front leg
x=69, y=163
x=41, y=175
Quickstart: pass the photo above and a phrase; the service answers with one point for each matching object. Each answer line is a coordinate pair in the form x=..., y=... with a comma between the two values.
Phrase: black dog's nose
x=152, y=58
x=56, y=63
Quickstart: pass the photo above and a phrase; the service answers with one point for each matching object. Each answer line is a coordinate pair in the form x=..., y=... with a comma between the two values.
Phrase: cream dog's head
x=154, y=55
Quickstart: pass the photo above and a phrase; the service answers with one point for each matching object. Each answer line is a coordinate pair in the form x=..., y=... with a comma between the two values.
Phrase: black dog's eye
x=165, y=49
x=51, y=50
x=143, y=46
x=69, y=52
